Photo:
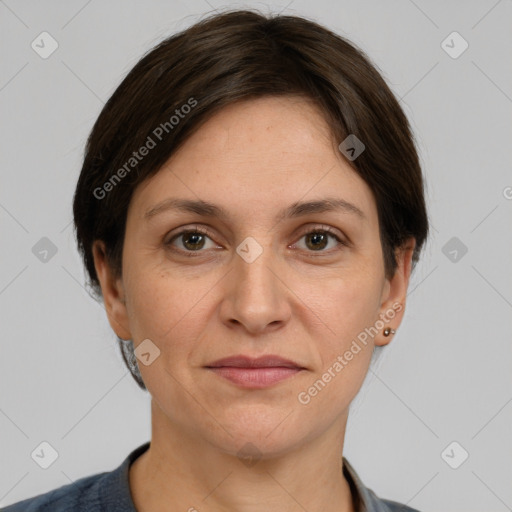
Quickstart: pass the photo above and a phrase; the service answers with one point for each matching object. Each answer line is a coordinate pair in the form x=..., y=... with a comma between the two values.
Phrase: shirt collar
x=364, y=499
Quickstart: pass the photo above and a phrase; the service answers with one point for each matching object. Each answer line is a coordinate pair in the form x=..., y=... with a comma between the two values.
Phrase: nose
x=256, y=297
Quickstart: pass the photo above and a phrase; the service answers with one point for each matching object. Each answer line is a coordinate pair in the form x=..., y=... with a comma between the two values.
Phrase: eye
x=191, y=240
x=318, y=239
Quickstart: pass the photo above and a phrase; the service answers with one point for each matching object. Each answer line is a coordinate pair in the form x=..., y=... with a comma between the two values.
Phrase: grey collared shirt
x=365, y=500
x=110, y=492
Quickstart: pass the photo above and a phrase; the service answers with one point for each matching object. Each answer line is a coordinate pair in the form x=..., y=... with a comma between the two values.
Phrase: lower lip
x=255, y=378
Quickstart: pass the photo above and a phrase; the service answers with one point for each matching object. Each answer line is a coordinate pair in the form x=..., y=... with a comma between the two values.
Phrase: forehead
x=265, y=130
x=256, y=156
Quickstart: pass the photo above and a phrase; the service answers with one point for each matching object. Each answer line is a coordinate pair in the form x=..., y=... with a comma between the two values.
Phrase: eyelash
x=205, y=232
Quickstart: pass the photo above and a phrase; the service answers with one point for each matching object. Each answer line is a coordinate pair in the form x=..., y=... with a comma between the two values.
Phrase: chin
x=266, y=433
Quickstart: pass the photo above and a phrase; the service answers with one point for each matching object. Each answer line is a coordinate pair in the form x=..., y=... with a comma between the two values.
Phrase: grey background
x=447, y=374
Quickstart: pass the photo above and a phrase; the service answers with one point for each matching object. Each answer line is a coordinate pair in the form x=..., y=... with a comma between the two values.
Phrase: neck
x=182, y=471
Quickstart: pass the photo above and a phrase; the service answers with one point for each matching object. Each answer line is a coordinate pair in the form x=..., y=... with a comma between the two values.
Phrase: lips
x=255, y=373
x=240, y=361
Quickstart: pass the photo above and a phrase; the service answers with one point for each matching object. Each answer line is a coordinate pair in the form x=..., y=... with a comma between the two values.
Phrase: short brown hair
x=234, y=56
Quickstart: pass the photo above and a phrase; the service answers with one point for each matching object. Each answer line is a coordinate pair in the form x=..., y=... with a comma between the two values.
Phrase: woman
x=250, y=208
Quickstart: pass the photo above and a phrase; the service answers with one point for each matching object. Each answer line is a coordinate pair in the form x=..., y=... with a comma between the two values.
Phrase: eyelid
x=327, y=229
x=188, y=229
x=342, y=240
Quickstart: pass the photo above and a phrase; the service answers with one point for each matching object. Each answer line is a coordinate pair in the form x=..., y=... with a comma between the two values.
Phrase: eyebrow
x=297, y=209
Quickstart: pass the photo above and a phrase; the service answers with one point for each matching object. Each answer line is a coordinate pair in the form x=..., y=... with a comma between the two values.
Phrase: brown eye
x=190, y=241
x=317, y=240
x=193, y=241
x=320, y=240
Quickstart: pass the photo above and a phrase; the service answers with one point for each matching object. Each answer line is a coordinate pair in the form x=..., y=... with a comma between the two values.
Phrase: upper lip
x=242, y=361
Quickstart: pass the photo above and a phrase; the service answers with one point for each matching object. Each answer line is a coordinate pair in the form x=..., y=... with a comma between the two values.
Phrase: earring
x=388, y=331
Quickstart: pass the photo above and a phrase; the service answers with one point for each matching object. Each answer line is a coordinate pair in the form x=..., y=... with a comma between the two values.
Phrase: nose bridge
x=252, y=268
x=257, y=298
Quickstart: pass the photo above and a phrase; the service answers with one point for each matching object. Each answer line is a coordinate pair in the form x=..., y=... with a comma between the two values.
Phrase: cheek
x=348, y=309
x=171, y=312
x=162, y=305
x=345, y=306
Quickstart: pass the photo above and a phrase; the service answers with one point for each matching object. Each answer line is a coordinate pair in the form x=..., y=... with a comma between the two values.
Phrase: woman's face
x=266, y=279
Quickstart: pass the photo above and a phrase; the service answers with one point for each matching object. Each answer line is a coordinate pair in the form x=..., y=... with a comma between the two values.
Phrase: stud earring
x=388, y=331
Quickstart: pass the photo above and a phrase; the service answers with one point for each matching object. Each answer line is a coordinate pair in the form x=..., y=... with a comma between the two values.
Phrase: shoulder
x=376, y=504
x=365, y=499
x=102, y=492
x=81, y=495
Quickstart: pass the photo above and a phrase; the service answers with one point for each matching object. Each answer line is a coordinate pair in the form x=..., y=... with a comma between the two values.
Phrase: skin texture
x=306, y=304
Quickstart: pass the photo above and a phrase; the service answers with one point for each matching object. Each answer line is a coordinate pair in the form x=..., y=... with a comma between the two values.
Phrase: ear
x=112, y=291
x=394, y=293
